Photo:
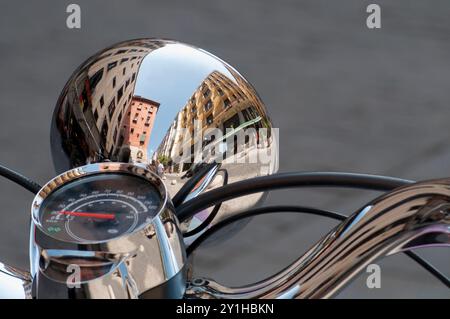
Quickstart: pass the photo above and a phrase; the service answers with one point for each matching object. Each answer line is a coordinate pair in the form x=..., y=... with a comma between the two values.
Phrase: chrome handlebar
x=407, y=218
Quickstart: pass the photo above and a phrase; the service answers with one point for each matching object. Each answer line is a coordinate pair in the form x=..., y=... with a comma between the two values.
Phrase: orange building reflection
x=136, y=128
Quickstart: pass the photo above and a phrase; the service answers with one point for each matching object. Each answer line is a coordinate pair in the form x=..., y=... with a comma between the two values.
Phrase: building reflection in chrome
x=215, y=118
x=169, y=106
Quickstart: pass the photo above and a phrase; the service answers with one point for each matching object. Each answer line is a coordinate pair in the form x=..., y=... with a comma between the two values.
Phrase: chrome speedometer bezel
x=97, y=169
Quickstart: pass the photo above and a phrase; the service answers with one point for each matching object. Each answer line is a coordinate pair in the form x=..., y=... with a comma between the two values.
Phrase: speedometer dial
x=99, y=207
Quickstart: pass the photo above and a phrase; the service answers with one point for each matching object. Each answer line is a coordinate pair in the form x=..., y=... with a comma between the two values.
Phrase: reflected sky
x=166, y=78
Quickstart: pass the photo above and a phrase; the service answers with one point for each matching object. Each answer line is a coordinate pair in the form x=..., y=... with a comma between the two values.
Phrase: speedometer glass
x=99, y=207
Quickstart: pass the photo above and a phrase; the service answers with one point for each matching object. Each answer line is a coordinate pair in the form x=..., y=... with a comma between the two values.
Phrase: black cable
x=305, y=210
x=214, y=212
x=20, y=179
x=427, y=266
x=260, y=211
x=286, y=180
x=190, y=184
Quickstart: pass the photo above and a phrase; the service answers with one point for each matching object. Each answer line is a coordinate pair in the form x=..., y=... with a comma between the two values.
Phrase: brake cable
x=19, y=179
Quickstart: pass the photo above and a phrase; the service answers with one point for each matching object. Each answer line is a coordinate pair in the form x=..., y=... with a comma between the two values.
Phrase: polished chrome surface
x=161, y=102
x=14, y=283
x=407, y=218
x=124, y=267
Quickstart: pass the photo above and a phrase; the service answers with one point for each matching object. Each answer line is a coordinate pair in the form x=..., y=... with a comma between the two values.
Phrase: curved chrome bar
x=14, y=283
x=406, y=218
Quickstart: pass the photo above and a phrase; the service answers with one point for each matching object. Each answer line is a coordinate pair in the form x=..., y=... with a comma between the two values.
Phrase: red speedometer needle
x=86, y=214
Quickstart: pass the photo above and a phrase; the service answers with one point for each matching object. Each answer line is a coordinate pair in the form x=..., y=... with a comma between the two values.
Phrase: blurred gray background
x=346, y=98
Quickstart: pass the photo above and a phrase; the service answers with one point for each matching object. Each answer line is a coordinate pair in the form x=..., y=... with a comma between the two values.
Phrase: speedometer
x=99, y=208
x=101, y=227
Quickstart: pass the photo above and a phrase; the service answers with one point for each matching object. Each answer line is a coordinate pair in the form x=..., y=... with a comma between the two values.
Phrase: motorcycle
x=157, y=146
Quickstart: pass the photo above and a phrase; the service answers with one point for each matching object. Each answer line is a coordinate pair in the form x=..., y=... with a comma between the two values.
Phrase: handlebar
x=409, y=217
